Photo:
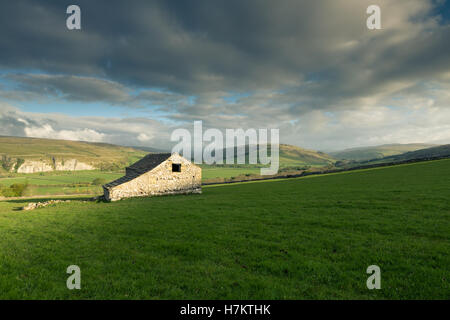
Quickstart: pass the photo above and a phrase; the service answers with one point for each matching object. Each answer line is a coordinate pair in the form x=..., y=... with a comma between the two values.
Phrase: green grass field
x=224, y=172
x=65, y=182
x=60, y=182
x=307, y=238
x=60, y=177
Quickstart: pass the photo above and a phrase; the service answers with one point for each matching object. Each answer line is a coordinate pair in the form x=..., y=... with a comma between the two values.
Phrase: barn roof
x=149, y=162
x=144, y=165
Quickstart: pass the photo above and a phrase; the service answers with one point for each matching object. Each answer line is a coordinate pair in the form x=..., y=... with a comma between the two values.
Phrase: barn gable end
x=156, y=174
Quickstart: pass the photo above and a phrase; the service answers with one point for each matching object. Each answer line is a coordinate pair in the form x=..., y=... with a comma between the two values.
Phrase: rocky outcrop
x=32, y=166
x=72, y=165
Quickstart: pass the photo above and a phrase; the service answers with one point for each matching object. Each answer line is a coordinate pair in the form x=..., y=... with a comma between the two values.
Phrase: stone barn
x=156, y=174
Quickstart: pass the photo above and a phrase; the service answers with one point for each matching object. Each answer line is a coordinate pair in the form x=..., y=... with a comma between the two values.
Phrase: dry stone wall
x=160, y=181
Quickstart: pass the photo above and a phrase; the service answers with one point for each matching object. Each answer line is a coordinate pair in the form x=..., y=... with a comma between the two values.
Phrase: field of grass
x=66, y=182
x=304, y=238
x=224, y=172
x=60, y=182
x=60, y=177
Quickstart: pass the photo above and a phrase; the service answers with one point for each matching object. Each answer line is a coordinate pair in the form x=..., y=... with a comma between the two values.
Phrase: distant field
x=61, y=177
x=215, y=172
x=305, y=238
x=65, y=182
x=61, y=182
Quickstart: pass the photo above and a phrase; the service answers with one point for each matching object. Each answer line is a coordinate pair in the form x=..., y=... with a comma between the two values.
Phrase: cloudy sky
x=138, y=69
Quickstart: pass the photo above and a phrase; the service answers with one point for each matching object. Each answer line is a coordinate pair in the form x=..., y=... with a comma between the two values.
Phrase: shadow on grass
x=25, y=201
x=28, y=200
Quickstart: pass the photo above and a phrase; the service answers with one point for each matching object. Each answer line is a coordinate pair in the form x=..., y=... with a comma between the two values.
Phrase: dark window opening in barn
x=176, y=167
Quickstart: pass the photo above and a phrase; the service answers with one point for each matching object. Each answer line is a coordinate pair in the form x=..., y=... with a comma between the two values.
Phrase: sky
x=138, y=70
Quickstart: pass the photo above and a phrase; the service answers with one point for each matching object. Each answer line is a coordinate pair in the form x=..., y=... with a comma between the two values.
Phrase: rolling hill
x=15, y=151
x=27, y=155
x=150, y=149
x=439, y=151
x=377, y=152
x=291, y=156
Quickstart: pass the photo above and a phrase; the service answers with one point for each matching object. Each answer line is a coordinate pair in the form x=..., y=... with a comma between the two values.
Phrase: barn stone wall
x=161, y=181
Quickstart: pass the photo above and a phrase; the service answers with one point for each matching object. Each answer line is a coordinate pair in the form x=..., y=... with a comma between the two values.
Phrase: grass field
x=68, y=177
x=218, y=172
x=60, y=182
x=65, y=182
x=60, y=177
x=304, y=238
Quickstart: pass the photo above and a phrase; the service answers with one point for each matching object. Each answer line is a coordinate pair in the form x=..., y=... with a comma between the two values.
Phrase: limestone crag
x=32, y=166
x=72, y=165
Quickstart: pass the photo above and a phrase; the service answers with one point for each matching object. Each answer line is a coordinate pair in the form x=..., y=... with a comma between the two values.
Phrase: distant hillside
x=293, y=156
x=377, y=152
x=150, y=149
x=439, y=151
x=36, y=155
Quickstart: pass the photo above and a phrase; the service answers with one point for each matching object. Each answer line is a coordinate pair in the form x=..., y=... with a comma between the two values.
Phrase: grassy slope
x=438, y=151
x=367, y=153
x=300, y=238
x=40, y=149
x=294, y=156
x=290, y=155
x=35, y=148
x=220, y=172
x=104, y=154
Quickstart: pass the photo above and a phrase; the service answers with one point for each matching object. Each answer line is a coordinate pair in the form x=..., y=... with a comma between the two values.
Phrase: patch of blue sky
x=442, y=8
x=331, y=117
x=191, y=100
x=6, y=71
x=90, y=109
x=6, y=84
x=234, y=97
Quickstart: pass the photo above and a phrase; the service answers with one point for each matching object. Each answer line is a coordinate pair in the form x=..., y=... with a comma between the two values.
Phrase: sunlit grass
x=293, y=239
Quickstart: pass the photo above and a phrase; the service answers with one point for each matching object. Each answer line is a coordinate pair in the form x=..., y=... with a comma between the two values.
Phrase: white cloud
x=142, y=137
x=47, y=131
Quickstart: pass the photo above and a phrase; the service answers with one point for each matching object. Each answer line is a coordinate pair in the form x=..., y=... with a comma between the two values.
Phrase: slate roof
x=144, y=165
x=149, y=162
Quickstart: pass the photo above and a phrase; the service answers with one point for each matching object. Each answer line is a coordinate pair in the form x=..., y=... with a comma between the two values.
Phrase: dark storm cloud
x=200, y=46
x=71, y=87
x=42, y=87
x=311, y=68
